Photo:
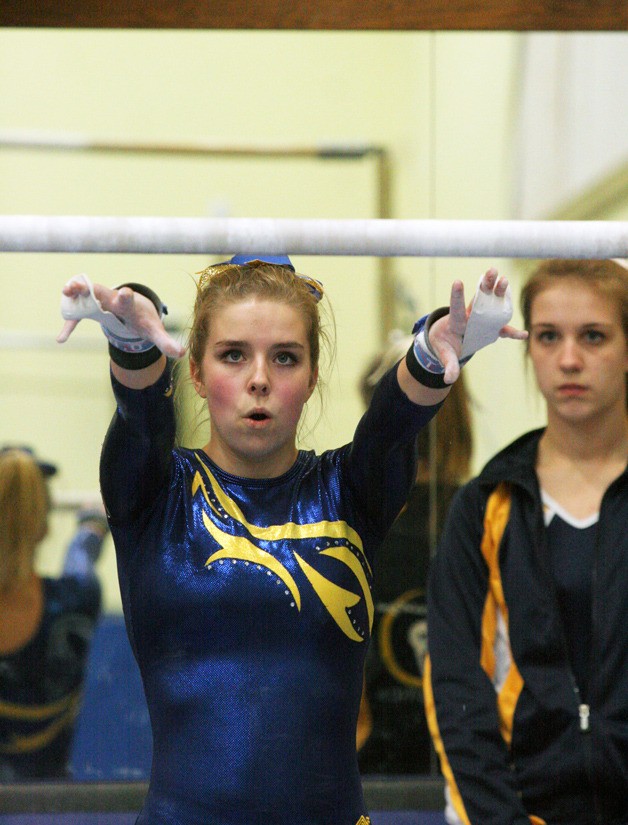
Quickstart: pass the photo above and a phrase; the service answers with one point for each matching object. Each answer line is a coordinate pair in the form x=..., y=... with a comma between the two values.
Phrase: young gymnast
x=527, y=677
x=245, y=566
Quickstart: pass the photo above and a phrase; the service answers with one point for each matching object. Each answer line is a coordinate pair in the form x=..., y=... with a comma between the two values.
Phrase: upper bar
x=367, y=237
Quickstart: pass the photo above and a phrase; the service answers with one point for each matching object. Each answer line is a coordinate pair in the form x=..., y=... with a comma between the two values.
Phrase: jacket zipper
x=584, y=709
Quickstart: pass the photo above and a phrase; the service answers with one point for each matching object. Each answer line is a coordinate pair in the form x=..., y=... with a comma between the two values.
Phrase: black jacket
x=515, y=740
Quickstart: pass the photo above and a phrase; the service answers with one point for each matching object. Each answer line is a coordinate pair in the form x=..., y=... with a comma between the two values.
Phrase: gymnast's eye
x=286, y=359
x=232, y=356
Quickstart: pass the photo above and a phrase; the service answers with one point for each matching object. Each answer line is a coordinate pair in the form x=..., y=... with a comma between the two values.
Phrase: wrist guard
x=134, y=353
x=126, y=348
x=422, y=362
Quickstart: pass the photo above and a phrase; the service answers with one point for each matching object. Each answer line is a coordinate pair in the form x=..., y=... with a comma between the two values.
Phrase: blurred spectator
x=46, y=624
x=392, y=736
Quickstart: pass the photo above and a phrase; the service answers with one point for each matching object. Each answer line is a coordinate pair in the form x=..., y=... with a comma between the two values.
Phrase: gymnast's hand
x=115, y=307
x=464, y=330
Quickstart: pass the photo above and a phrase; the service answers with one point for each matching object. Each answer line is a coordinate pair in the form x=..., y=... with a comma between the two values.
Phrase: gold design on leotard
x=364, y=820
x=337, y=600
x=61, y=714
x=241, y=548
x=344, y=555
x=275, y=532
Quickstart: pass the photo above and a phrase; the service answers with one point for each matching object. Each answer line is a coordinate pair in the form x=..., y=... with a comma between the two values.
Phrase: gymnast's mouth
x=257, y=415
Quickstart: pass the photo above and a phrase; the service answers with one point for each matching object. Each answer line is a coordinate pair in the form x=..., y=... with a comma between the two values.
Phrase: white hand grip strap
x=489, y=313
x=83, y=307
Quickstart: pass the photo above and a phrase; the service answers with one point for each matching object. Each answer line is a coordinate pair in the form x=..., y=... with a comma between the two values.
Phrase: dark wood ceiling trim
x=356, y=15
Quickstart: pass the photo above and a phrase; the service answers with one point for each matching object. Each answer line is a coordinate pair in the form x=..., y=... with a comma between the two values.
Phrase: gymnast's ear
x=197, y=380
x=312, y=382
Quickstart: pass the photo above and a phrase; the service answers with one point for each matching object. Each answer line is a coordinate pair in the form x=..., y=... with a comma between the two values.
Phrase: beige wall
x=442, y=105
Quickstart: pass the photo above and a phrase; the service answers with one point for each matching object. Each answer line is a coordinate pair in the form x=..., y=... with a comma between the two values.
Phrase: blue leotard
x=248, y=606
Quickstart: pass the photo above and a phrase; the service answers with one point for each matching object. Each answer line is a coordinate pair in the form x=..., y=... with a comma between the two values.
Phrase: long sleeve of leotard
x=382, y=459
x=139, y=442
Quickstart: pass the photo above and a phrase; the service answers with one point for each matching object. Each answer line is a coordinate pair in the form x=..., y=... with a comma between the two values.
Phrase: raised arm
x=382, y=460
x=136, y=453
x=447, y=338
x=131, y=322
x=86, y=545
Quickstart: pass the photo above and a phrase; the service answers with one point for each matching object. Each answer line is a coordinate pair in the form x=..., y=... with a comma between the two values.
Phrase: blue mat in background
x=112, y=740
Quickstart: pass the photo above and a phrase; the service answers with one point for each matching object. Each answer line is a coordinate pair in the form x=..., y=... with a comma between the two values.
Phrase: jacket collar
x=515, y=464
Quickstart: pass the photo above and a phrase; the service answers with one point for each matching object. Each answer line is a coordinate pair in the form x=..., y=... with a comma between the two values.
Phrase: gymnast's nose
x=259, y=380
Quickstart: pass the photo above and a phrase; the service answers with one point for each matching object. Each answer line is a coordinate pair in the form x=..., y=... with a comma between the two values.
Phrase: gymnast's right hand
x=121, y=312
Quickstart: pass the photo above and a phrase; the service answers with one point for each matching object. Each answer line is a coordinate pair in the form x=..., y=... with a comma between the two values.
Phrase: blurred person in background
x=393, y=736
x=46, y=624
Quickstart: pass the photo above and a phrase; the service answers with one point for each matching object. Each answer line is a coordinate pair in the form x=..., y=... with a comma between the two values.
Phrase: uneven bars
x=368, y=237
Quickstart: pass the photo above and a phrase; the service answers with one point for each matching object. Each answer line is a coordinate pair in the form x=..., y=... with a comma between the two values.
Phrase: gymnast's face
x=579, y=351
x=256, y=376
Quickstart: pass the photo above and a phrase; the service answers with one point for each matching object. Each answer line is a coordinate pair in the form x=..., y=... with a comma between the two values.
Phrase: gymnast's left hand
x=447, y=334
x=136, y=311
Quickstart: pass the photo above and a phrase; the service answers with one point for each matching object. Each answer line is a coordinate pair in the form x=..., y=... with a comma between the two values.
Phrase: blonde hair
x=24, y=506
x=451, y=427
x=607, y=277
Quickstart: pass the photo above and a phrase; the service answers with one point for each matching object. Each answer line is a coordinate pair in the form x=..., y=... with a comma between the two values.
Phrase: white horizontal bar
x=370, y=237
x=17, y=339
